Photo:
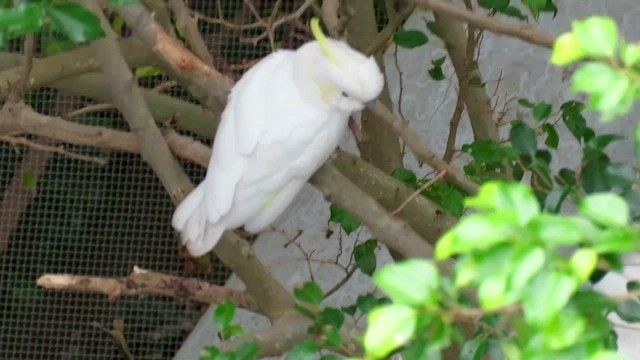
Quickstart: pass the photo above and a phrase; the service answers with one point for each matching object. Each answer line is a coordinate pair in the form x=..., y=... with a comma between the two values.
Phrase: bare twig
x=422, y=188
x=384, y=37
x=142, y=282
x=520, y=31
x=463, y=83
x=88, y=110
x=117, y=335
x=52, y=149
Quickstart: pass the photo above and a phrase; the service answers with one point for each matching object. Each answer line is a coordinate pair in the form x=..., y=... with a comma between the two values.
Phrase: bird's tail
x=190, y=220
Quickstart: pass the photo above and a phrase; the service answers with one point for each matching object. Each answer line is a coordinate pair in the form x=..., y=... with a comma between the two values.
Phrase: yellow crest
x=321, y=38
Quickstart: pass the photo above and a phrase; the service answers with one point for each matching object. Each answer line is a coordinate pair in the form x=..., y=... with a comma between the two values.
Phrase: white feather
x=275, y=131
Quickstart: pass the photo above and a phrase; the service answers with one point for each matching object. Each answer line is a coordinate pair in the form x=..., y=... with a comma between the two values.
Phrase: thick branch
x=425, y=217
x=128, y=98
x=379, y=145
x=189, y=26
x=48, y=70
x=394, y=233
x=208, y=85
x=422, y=152
x=476, y=99
x=141, y=282
x=523, y=32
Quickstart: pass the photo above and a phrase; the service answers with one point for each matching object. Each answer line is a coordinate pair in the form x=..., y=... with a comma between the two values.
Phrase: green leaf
x=247, y=351
x=556, y=230
x=27, y=17
x=448, y=196
x=224, y=314
x=548, y=294
x=439, y=61
x=332, y=317
x=508, y=197
x=410, y=38
x=331, y=357
x=597, y=35
x=552, y=139
x=365, y=256
x=494, y=4
x=367, y=302
x=541, y=111
x=29, y=179
x=609, y=355
x=621, y=175
x=567, y=49
x=147, y=71
x=526, y=103
x=633, y=286
x=527, y=261
x=231, y=331
x=594, y=175
x=629, y=310
x=583, y=262
x=607, y=209
x=492, y=290
x=407, y=176
x=350, y=310
x=523, y=138
x=564, y=330
x=306, y=350
x=573, y=119
x=413, y=282
x=474, y=232
x=209, y=353
x=615, y=240
x=513, y=12
x=436, y=73
x=347, y=222
x=390, y=326
x=77, y=22
x=434, y=28
x=55, y=47
x=593, y=77
x=123, y=2
x=631, y=55
x=309, y=293
x=474, y=349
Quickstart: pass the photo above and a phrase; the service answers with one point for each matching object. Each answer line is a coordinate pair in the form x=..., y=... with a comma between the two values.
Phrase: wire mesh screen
x=101, y=212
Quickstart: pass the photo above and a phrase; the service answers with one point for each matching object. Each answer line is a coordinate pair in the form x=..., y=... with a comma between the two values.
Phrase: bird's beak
x=371, y=104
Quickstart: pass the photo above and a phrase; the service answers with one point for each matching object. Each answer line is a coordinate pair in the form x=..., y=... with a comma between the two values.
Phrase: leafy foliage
x=75, y=21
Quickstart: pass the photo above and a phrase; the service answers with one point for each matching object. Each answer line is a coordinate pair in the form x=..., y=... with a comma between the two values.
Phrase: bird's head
x=346, y=79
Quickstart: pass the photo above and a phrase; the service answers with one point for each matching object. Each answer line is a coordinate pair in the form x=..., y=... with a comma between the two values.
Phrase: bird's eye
x=344, y=94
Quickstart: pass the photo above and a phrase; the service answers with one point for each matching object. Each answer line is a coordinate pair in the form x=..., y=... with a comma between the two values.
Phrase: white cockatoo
x=283, y=120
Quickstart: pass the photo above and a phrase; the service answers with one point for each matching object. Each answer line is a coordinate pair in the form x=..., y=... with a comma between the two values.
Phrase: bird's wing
x=241, y=126
x=255, y=93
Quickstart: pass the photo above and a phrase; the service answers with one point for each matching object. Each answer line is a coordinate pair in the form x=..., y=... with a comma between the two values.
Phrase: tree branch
x=422, y=152
x=128, y=98
x=189, y=26
x=53, y=68
x=523, y=32
x=394, y=233
x=205, y=83
x=143, y=282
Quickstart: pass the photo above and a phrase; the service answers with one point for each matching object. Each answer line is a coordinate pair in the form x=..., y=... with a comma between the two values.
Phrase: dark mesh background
x=87, y=219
